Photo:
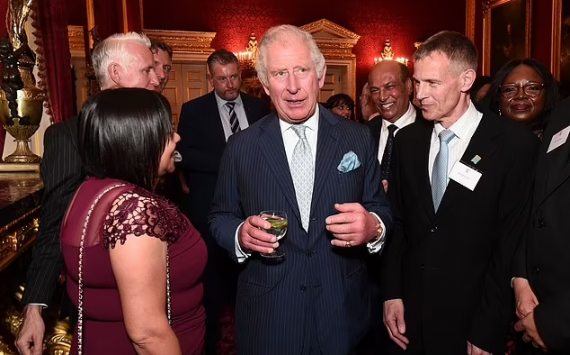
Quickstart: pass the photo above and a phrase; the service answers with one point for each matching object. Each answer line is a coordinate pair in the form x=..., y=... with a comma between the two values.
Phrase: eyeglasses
x=530, y=89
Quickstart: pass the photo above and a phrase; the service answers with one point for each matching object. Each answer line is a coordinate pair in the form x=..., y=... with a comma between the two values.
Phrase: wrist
x=33, y=310
x=520, y=283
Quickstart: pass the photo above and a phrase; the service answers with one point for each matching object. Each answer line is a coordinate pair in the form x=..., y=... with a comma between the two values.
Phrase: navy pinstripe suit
x=61, y=174
x=318, y=289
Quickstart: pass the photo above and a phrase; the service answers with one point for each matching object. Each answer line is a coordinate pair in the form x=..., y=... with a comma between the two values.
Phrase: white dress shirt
x=290, y=140
x=464, y=129
x=407, y=118
x=225, y=114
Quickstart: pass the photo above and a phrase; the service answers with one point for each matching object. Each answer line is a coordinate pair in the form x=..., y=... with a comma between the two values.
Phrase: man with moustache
x=390, y=89
x=460, y=193
x=205, y=125
x=61, y=174
x=321, y=170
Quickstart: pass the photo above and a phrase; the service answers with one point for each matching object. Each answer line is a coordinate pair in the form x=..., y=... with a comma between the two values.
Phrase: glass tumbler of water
x=278, y=222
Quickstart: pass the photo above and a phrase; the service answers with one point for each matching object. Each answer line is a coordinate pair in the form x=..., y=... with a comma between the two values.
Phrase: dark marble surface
x=19, y=194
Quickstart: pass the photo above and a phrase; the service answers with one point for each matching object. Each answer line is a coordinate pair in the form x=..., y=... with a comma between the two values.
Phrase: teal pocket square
x=349, y=162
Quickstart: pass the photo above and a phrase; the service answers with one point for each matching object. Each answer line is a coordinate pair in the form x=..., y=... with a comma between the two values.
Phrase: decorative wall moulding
x=333, y=40
x=76, y=41
x=190, y=42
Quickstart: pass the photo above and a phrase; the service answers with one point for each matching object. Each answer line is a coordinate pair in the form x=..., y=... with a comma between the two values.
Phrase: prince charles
x=322, y=171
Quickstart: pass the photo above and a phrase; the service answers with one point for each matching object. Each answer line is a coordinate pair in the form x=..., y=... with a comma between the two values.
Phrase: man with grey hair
x=121, y=60
x=310, y=294
x=459, y=188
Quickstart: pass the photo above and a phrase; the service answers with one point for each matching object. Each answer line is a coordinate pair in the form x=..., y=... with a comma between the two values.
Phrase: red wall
x=403, y=22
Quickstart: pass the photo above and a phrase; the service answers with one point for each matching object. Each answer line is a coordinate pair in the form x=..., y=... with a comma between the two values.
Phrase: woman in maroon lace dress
x=133, y=261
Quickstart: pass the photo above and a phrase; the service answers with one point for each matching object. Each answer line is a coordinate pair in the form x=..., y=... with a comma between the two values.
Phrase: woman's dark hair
x=122, y=134
x=341, y=99
x=479, y=82
x=551, y=89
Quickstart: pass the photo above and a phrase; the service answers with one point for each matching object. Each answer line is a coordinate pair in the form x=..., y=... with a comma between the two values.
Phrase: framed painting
x=560, y=56
x=506, y=32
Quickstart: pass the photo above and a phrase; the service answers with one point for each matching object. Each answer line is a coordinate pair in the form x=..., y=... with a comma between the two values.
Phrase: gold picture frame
x=506, y=32
x=555, y=54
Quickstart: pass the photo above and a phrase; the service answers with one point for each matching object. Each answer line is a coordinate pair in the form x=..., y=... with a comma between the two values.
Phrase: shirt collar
x=408, y=117
x=221, y=102
x=312, y=123
x=461, y=127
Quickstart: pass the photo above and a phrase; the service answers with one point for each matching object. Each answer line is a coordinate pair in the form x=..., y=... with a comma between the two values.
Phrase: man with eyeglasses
x=205, y=125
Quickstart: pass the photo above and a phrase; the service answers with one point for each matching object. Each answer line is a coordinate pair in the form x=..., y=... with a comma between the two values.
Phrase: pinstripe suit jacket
x=316, y=285
x=61, y=174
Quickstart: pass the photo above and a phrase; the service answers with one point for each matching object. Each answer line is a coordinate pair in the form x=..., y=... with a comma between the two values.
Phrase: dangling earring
x=500, y=114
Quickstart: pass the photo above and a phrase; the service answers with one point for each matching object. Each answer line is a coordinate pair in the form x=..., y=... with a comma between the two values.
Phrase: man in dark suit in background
x=322, y=171
x=460, y=188
x=205, y=125
x=390, y=87
x=542, y=267
x=61, y=174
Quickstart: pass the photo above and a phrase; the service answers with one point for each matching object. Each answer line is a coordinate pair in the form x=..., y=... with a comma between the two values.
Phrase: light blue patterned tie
x=303, y=174
x=439, y=172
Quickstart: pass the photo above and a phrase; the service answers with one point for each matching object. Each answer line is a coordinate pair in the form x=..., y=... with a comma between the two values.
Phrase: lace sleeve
x=139, y=212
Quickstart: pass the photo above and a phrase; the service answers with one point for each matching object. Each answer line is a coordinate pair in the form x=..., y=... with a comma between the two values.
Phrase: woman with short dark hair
x=133, y=261
x=524, y=90
x=342, y=105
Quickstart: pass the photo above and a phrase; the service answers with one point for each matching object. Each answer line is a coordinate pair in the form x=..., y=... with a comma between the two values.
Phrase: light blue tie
x=303, y=174
x=439, y=172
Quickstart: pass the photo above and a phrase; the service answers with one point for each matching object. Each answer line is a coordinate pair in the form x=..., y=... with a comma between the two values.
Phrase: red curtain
x=53, y=57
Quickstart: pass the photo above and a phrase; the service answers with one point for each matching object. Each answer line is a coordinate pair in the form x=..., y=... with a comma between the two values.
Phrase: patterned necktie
x=387, y=156
x=234, y=123
x=439, y=172
x=303, y=174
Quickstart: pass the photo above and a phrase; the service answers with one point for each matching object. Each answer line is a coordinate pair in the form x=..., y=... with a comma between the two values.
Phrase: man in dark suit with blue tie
x=205, y=125
x=323, y=172
x=460, y=190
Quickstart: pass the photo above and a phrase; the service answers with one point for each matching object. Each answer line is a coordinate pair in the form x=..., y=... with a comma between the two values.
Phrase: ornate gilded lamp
x=21, y=102
x=388, y=54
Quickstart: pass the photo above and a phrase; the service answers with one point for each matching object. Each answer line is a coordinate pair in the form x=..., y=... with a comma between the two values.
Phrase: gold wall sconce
x=388, y=54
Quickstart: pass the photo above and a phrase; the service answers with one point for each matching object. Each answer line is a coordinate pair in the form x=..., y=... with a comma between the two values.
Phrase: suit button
x=536, y=270
x=541, y=223
x=422, y=267
x=303, y=288
x=433, y=229
x=310, y=254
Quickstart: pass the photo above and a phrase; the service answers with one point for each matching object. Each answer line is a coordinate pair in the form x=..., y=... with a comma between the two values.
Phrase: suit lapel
x=422, y=165
x=327, y=145
x=482, y=144
x=216, y=120
x=272, y=148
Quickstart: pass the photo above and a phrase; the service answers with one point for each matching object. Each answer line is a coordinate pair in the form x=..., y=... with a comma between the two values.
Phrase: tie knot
x=446, y=136
x=300, y=130
x=392, y=128
x=230, y=104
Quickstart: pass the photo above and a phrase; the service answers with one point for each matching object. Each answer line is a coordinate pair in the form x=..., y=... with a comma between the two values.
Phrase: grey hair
x=458, y=48
x=285, y=34
x=114, y=49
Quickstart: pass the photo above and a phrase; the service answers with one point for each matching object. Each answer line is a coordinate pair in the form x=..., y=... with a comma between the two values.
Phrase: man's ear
x=115, y=72
x=322, y=78
x=210, y=79
x=467, y=79
x=409, y=87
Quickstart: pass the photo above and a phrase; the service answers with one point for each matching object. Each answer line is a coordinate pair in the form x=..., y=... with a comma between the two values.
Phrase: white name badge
x=558, y=139
x=465, y=175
